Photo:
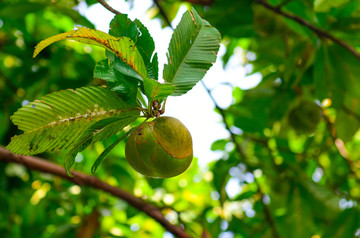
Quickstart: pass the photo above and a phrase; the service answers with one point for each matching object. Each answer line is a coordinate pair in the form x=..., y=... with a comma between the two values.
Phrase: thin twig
x=108, y=7
x=307, y=24
x=81, y=179
x=268, y=215
x=163, y=13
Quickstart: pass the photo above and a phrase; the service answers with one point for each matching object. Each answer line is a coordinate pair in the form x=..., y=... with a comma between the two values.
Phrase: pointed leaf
x=68, y=162
x=122, y=47
x=121, y=25
x=107, y=150
x=59, y=119
x=192, y=51
x=155, y=90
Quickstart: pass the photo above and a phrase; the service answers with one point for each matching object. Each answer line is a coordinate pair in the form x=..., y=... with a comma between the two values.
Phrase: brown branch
x=81, y=179
x=163, y=13
x=318, y=31
x=268, y=216
x=108, y=7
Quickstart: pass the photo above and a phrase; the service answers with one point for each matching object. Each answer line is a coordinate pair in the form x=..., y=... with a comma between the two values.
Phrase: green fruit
x=160, y=148
x=305, y=117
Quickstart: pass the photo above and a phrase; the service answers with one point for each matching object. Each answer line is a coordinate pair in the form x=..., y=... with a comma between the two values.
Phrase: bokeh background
x=276, y=130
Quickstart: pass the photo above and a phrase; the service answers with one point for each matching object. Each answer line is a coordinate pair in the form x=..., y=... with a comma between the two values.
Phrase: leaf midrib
x=79, y=118
x=117, y=52
x=183, y=61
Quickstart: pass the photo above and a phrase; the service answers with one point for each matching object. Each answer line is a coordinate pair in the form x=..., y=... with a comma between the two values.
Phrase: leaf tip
x=93, y=168
x=68, y=172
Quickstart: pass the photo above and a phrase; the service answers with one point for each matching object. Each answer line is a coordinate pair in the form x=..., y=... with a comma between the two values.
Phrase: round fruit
x=305, y=117
x=160, y=148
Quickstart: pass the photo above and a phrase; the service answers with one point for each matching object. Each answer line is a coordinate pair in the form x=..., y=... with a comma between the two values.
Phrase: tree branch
x=307, y=24
x=108, y=7
x=81, y=179
x=267, y=212
x=163, y=14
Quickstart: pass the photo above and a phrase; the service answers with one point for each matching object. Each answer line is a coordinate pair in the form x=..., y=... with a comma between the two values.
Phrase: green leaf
x=146, y=47
x=335, y=74
x=155, y=67
x=124, y=85
x=122, y=47
x=219, y=145
x=347, y=125
x=301, y=224
x=252, y=114
x=122, y=67
x=57, y=120
x=74, y=14
x=233, y=18
x=157, y=91
x=121, y=26
x=346, y=224
x=96, y=132
x=325, y=5
x=20, y=9
x=192, y=51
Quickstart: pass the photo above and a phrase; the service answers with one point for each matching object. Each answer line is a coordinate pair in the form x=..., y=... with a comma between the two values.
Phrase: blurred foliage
x=274, y=180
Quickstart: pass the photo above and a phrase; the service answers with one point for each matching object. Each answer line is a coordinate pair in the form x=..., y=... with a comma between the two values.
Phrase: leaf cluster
x=76, y=119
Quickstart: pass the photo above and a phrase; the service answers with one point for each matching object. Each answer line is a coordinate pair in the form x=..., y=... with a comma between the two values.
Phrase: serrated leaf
x=157, y=91
x=146, y=46
x=124, y=85
x=121, y=25
x=192, y=51
x=122, y=47
x=155, y=67
x=57, y=120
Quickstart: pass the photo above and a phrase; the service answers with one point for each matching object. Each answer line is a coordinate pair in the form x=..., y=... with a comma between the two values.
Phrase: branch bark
x=81, y=179
x=318, y=31
x=162, y=12
x=108, y=7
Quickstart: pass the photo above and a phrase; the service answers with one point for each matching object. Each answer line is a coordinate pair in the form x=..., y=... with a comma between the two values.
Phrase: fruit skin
x=305, y=117
x=160, y=148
